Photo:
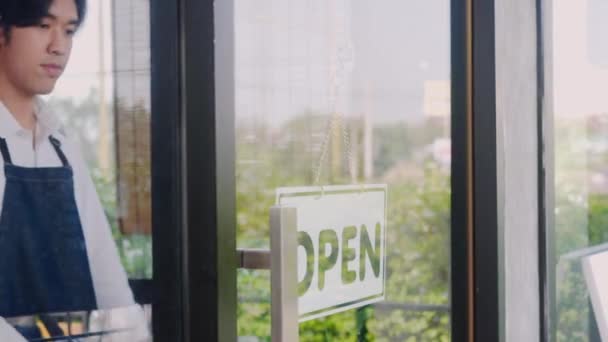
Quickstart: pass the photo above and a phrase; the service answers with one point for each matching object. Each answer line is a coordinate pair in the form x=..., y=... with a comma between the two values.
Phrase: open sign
x=341, y=246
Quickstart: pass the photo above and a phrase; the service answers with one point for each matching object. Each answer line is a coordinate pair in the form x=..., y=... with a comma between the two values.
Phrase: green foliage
x=135, y=249
x=253, y=309
x=572, y=303
x=418, y=233
x=80, y=124
x=581, y=220
x=598, y=218
x=80, y=121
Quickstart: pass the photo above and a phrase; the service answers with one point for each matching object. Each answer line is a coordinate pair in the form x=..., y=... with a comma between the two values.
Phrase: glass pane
x=102, y=102
x=349, y=92
x=580, y=111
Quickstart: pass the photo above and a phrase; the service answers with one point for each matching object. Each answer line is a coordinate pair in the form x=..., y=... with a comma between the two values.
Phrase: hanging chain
x=349, y=153
x=338, y=67
x=335, y=122
x=324, y=144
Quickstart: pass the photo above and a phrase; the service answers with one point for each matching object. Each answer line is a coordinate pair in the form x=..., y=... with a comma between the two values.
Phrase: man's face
x=32, y=58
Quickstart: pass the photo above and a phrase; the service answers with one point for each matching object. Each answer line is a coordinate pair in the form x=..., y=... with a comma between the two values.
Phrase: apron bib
x=44, y=265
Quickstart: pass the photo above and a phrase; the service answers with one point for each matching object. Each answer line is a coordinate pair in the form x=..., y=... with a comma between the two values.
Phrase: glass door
x=332, y=95
x=258, y=106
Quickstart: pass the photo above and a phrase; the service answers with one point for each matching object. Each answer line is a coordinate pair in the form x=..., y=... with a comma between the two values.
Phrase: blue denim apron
x=44, y=265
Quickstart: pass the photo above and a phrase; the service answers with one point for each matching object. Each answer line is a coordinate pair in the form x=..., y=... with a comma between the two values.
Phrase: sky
x=579, y=82
x=412, y=38
x=382, y=55
x=578, y=51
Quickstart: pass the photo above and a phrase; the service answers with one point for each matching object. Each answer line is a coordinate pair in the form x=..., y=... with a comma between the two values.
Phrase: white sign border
x=332, y=189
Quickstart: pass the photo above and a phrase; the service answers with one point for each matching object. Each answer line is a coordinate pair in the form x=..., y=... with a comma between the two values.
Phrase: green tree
x=418, y=226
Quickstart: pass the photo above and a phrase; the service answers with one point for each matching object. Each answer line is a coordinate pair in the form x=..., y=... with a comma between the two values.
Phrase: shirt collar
x=48, y=123
x=8, y=124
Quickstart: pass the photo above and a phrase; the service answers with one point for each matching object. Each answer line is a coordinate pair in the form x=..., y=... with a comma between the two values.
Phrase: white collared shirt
x=109, y=277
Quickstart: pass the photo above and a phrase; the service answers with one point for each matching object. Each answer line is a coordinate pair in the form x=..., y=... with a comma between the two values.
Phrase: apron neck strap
x=57, y=146
x=5, y=154
x=54, y=142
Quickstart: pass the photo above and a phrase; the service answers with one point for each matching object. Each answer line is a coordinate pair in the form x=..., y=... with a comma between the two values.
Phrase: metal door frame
x=193, y=157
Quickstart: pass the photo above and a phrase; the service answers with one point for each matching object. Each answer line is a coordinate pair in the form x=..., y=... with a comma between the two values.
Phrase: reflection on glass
x=102, y=102
x=343, y=92
x=580, y=109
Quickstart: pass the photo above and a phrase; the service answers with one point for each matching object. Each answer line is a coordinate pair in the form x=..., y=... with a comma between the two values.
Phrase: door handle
x=253, y=259
x=281, y=260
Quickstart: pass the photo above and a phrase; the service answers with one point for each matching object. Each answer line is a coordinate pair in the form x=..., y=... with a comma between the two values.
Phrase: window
x=349, y=92
x=579, y=110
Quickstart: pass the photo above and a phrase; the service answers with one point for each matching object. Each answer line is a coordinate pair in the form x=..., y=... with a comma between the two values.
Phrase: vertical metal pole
x=283, y=274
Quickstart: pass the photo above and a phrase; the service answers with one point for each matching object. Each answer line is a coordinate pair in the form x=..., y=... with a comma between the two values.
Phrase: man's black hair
x=24, y=13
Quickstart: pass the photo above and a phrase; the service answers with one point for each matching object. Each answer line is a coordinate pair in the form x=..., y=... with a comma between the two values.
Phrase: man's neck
x=21, y=107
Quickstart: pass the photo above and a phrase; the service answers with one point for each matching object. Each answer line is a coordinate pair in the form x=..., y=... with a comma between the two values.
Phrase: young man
x=56, y=248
